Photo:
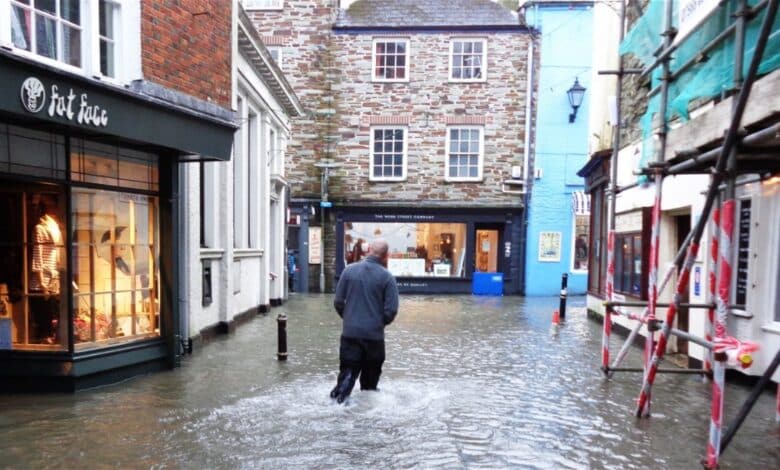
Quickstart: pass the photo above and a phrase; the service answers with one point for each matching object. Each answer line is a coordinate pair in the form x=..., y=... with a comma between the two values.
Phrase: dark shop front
x=88, y=199
x=438, y=250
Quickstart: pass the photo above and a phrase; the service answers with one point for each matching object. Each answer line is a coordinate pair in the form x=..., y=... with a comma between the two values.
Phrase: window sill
x=211, y=253
x=63, y=67
x=464, y=180
x=741, y=314
x=453, y=80
x=773, y=327
x=386, y=180
x=387, y=80
x=248, y=253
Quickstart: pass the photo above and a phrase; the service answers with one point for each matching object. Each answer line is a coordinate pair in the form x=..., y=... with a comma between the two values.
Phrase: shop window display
x=416, y=249
x=34, y=267
x=115, y=274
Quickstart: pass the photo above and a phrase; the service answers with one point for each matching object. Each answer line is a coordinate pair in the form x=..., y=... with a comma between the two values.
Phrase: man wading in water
x=367, y=301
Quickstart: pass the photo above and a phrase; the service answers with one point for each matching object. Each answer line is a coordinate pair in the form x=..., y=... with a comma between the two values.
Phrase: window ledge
x=382, y=80
x=453, y=80
x=211, y=253
x=464, y=180
x=741, y=314
x=248, y=253
x=386, y=180
x=773, y=327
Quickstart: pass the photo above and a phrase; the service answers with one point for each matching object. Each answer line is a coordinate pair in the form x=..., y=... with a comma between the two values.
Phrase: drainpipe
x=528, y=110
x=182, y=340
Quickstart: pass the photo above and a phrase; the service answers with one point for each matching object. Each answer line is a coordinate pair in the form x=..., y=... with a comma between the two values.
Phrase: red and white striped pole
x=652, y=285
x=608, y=310
x=671, y=312
x=719, y=366
x=714, y=231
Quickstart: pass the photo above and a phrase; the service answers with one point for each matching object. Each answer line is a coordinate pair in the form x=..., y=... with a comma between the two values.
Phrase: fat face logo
x=33, y=95
x=67, y=105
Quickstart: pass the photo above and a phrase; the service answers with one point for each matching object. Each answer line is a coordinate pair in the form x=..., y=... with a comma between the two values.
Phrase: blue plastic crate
x=487, y=284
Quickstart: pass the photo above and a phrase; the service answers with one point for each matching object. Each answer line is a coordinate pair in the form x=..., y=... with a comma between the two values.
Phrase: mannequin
x=45, y=267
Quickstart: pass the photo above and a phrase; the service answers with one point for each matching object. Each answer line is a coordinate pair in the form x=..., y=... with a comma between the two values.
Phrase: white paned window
x=391, y=60
x=108, y=16
x=468, y=60
x=80, y=34
x=49, y=28
x=262, y=4
x=276, y=54
x=388, y=153
x=464, y=153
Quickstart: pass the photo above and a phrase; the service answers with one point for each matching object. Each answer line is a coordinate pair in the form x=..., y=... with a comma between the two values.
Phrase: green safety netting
x=708, y=78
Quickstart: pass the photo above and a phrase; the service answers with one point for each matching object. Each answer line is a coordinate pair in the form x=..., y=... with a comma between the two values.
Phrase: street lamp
x=325, y=167
x=576, y=93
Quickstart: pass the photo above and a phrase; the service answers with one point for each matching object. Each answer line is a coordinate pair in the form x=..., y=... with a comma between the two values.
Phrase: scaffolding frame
x=725, y=164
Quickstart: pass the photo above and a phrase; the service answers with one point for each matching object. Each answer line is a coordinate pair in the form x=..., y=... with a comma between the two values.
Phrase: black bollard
x=281, y=324
x=562, y=308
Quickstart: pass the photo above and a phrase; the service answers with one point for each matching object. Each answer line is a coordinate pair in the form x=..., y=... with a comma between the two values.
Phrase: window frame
x=90, y=39
x=481, y=155
x=483, y=65
x=407, y=65
x=582, y=270
x=405, y=155
x=643, y=257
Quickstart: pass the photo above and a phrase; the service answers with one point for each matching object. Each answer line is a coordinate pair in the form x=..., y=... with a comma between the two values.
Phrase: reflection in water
x=469, y=382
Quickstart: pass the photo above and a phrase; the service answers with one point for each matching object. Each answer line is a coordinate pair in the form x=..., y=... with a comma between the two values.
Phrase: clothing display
x=46, y=262
x=45, y=268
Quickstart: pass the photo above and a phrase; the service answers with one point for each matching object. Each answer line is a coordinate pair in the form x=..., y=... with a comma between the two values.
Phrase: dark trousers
x=359, y=358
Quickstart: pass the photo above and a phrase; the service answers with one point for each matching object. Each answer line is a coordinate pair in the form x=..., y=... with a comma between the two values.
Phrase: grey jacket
x=367, y=299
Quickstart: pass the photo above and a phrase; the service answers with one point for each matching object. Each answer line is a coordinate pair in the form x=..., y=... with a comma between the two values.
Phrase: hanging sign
x=68, y=105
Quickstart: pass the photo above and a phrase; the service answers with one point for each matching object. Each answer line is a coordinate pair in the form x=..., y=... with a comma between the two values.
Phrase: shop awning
x=580, y=203
x=144, y=114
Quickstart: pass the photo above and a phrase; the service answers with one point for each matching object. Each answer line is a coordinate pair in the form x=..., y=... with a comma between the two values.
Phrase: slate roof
x=413, y=14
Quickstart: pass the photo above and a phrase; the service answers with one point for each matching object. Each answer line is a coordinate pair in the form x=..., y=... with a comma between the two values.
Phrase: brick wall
x=186, y=46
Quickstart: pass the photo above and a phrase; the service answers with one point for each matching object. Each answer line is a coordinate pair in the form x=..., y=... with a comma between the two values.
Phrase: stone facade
x=186, y=46
x=330, y=71
x=426, y=105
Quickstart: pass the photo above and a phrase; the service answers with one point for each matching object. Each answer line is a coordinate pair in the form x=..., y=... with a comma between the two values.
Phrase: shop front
x=88, y=200
x=436, y=250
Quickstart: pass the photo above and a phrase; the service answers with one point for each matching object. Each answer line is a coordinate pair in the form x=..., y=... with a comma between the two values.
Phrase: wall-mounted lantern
x=576, y=93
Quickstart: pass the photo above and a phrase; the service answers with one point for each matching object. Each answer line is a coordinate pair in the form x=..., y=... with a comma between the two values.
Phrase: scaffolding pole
x=718, y=212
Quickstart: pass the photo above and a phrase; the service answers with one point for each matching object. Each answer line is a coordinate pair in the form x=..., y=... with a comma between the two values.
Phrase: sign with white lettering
x=68, y=105
x=692, y=12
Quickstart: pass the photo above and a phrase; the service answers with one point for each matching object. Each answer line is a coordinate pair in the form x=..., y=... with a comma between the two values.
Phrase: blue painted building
x=558, y=210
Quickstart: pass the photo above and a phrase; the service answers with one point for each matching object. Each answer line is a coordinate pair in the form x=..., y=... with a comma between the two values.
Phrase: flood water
x=469, y=382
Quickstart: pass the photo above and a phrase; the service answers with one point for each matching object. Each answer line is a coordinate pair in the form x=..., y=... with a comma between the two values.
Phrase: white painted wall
x=240, y=275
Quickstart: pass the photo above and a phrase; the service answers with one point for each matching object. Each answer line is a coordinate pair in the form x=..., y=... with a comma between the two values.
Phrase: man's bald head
x=379, y=248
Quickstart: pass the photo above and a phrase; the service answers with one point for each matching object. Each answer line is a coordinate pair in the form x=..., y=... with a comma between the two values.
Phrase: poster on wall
x=549, y=246
x=315, y=245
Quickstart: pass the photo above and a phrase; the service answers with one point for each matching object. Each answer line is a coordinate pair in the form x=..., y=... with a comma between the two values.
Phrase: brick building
x=100, y=102
x=417, y=132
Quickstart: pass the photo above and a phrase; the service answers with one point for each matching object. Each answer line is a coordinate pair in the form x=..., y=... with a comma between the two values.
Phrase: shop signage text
x=68, y=105
x=403, y=217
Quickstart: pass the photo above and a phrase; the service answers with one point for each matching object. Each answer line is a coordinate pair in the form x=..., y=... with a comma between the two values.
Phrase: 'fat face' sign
x=68, y=105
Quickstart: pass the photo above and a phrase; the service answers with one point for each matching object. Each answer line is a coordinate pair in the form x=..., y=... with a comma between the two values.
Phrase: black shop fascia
x=89, y=201
x=437, y=249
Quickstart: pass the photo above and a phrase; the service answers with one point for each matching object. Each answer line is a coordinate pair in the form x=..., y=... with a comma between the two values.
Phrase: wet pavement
x=469, y=382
